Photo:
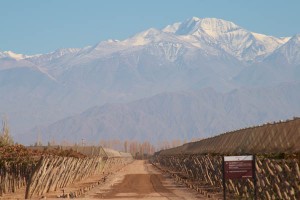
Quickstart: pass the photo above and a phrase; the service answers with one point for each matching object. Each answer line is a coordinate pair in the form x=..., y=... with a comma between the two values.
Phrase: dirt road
x=140, y=180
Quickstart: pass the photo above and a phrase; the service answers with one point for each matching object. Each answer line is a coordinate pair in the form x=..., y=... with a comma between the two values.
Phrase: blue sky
x=36, y=26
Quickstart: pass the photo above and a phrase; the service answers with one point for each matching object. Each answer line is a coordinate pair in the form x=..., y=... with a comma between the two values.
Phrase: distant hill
x=180, y=115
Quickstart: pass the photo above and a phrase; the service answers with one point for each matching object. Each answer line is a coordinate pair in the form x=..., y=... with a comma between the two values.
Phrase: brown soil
x=140, y=180
x=138, y=184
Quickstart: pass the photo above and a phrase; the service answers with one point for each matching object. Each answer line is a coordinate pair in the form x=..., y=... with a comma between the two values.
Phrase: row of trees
x=142, y=149
x=137, y=148
x=131, y=146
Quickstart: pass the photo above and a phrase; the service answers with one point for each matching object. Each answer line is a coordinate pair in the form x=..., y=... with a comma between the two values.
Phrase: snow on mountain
x=211, y=26
x=145, y=37
x=10, y=60
x=211, y=36
x=208, y=34
x=288, y=53
x=43, y=58
x=160, y=43
x=235, y=40
x=12, y=55
x=267, y=44
x=281, y=66
x=155, y=42
x=55, y=62
x=151, y=36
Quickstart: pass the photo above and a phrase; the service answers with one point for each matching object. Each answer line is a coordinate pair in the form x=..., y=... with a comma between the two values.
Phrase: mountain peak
x=151, y=32
x=296, y=38
x=195, y=24
x=217, y=25
x=63, y=51
x=145, y=37
x=193, y=19
x=288, y=53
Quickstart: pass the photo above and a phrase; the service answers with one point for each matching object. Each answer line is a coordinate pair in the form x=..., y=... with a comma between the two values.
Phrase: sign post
x=238, y=167
x=224, y=185
x=254, y=176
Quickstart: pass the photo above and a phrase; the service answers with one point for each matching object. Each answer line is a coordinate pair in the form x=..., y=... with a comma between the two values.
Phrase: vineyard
x=44, y=169
x=39, y=170
x=277, y=150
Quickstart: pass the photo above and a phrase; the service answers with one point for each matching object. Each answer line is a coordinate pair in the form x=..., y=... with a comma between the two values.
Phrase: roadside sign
x=238, y=167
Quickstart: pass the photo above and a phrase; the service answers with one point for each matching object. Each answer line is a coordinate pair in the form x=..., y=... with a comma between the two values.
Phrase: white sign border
x=238, y=158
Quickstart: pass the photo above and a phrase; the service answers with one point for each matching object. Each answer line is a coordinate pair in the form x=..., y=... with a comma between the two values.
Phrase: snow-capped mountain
x=190, y=55
x=208, y=34
x=288, y=54
x=233, y=39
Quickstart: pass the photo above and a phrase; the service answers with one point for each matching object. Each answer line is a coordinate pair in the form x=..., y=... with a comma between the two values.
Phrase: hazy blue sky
x=36, y=26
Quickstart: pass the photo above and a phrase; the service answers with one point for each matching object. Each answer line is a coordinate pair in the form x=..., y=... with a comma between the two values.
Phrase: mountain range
x=210, y=57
